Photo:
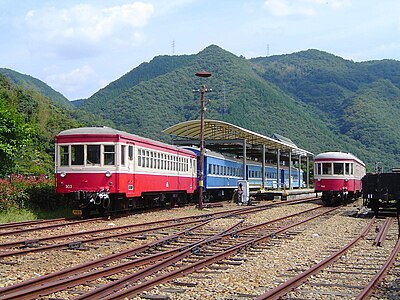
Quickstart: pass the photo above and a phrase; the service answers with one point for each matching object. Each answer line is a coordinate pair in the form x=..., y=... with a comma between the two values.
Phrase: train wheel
x=326, y=200
x=375, y=207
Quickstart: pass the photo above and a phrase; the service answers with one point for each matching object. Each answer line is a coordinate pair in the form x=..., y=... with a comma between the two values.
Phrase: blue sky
x=78, y=47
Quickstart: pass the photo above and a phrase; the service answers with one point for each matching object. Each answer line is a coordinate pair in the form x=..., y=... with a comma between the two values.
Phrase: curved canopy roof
x=219, y=130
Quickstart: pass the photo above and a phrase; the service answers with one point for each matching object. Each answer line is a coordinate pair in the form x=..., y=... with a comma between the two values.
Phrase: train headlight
x=63, y=174
x=108, y=174
x=346, y=179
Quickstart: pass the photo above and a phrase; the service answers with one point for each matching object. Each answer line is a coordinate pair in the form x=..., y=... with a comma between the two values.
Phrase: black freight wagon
x=381, y=191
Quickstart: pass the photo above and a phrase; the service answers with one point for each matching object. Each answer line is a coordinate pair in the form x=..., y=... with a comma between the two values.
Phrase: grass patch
x=20, y=215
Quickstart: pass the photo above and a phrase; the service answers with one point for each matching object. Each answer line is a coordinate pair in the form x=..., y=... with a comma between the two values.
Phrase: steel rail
x=298, y=280
x=107, y=291
x=55, y=237
x=32, y=222
x=42, y=280
x=30, y=288
x=373, y=284
x=68, y=245
x=63, y=245
x=383, y=230
x=19, y=231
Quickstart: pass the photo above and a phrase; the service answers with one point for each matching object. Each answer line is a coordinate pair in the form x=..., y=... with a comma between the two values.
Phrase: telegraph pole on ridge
x=203, y=90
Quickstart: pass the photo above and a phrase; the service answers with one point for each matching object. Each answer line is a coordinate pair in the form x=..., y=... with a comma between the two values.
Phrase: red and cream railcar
x=338, y=176
x=107, y=169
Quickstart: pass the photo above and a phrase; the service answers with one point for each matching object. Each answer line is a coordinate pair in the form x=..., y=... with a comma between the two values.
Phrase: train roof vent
x=284, y=139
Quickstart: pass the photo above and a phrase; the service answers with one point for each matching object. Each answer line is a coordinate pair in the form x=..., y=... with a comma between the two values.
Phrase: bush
x=29, y=192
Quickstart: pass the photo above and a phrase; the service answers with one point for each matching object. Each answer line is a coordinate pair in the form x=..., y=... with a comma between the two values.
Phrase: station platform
x=282, y=194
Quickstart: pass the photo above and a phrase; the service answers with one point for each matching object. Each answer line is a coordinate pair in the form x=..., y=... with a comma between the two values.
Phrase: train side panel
x=106, y=167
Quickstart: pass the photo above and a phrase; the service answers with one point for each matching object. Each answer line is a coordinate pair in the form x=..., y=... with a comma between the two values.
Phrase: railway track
x=21, y=246
x=187, y=245
x=180, y=262
x=353, y=272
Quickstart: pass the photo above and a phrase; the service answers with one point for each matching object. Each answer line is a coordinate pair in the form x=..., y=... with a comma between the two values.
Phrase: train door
x=282, y=178
x=179, y=168
x=131, y=170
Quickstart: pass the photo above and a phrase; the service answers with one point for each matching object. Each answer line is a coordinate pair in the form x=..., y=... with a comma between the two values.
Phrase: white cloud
x=73, y=81
x=87, y=23
x=284, y=8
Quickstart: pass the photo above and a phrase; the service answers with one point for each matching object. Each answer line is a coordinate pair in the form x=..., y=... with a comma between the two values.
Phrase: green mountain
x=37, y=85
x=320, y=101
x=359, y=101
x=304, y=96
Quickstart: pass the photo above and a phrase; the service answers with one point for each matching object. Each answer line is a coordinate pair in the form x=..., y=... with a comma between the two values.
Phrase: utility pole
x=203, y=90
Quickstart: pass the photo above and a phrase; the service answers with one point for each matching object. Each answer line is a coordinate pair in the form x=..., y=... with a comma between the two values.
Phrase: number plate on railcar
x=77, y=212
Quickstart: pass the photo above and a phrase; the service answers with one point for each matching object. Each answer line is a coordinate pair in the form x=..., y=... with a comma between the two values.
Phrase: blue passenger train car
x=221, y=175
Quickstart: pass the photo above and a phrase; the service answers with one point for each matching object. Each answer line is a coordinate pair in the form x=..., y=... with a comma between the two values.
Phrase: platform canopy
x=220, y=132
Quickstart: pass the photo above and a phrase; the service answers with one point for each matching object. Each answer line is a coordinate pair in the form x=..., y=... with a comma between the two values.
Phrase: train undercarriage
x=335, y=198
x=102, y=203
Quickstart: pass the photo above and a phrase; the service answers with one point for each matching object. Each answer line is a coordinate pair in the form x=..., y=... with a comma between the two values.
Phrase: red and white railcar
x=338, y=176
x=107, y=169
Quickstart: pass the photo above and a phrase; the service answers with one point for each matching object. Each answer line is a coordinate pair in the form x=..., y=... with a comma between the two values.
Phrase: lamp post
x=203, y=90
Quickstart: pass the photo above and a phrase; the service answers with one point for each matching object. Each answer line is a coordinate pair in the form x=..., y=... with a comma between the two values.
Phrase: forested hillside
x=320, y=101
x=37, y=85
x=357, y=100
x=28, y=123
x=305, y=96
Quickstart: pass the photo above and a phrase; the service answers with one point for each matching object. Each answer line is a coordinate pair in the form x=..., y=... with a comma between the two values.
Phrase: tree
x=14, y=136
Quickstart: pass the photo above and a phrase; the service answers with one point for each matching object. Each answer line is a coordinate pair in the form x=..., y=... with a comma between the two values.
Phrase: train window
x=93, y=155
x=338, y=168
x=64, y=156
x=326, y=168
x=347, y=168
x=139, y=161
x=109, y=155
x=123, y=154
x=77, y=155
x=318, y=168
x=130, y=152
x=351, y=169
